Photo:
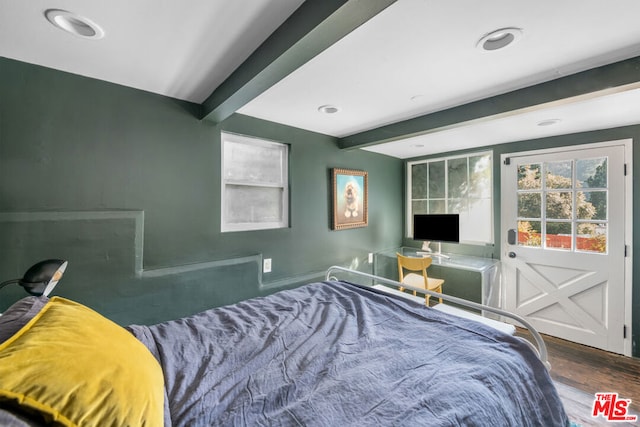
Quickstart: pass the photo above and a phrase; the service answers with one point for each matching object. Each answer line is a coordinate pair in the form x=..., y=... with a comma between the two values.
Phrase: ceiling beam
x=605, y=77
x=312, y=28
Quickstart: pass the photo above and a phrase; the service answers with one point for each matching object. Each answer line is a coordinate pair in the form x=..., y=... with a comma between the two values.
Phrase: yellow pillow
x=78, y=368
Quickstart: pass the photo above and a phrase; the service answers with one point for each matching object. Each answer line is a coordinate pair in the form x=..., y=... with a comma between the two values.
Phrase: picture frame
x=350, y=198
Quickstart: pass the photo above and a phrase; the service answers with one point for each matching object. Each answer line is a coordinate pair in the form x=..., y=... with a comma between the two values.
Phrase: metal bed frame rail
x=540, y=347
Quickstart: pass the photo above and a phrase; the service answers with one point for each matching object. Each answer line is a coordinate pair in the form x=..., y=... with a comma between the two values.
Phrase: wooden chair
x=421, y=280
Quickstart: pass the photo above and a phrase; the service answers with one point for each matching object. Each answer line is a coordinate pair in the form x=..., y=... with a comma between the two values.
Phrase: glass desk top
x=463, y=262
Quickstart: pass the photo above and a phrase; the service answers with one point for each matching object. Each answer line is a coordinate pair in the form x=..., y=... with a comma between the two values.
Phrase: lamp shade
x=41, y=278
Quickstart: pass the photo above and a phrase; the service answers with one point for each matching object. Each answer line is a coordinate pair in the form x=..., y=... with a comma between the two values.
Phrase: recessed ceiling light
x=74, y=24
x=549, y=122
x=328, y=109
x=499, y=39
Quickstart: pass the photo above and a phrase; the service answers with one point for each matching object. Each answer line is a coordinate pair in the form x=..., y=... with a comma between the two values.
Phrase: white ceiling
x=414, y=58
x=171, y=47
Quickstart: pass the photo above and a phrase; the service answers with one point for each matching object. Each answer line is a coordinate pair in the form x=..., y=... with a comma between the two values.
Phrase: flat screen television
x=437, y=227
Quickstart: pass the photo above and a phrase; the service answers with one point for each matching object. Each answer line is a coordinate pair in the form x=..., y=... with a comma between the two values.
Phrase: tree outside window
x=550, y=202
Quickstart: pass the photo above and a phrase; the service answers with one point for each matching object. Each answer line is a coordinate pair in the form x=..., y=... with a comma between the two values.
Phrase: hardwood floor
x=580, y=372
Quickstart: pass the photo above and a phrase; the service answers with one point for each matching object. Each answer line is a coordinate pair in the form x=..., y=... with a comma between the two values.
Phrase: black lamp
x=40, y=278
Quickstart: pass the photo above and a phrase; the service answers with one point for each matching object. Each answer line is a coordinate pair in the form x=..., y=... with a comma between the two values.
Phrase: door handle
x=512, y=236
x=512, y=254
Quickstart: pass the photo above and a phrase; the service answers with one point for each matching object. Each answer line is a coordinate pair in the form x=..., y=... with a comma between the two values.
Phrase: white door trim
x=628, y=217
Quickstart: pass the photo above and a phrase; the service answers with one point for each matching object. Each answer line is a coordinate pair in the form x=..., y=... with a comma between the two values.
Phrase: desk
x=386, y=265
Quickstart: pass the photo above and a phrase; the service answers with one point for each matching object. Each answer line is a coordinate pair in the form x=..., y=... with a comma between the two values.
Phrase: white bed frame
x=540, y=347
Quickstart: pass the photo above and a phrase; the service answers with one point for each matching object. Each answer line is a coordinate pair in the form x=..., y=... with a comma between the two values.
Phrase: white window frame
x=232, y=138
x=409, y=206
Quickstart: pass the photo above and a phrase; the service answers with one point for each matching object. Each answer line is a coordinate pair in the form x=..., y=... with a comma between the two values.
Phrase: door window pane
x=591, y=173
x=592, y=237
x=595, y=204
x=559, y=205
x=591, y=204
x=530, y=205
x=559, y=235
x=559, y=174
x=530, y=233
x=529, y=177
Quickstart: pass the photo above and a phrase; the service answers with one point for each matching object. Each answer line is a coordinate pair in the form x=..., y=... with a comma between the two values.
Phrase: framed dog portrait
x=349, y=189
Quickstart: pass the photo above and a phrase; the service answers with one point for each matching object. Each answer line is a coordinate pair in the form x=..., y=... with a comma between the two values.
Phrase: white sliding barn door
x=564, y=220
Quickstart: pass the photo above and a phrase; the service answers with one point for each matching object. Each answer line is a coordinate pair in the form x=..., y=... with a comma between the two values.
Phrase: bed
x=327, y=353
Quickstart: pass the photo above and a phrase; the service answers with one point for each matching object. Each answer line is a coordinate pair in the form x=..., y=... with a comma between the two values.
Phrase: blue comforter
x=335, y=354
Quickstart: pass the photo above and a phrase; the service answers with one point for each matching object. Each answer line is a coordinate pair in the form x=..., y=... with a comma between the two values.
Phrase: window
x=460, y=184
x=255, y=187
x=562, y=205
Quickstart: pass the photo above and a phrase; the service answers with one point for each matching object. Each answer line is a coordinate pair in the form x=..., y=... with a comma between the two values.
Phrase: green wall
x=126, y=185
x=494, y=251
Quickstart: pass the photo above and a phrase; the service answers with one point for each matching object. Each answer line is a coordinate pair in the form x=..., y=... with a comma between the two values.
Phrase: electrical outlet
x=370, y=257
x=266, y=265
